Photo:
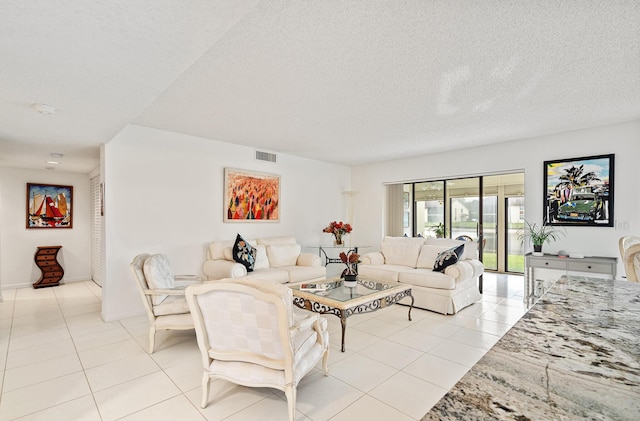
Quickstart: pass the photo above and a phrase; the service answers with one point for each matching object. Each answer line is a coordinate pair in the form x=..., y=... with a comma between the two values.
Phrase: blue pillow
x=244, y=253
x=447, y=258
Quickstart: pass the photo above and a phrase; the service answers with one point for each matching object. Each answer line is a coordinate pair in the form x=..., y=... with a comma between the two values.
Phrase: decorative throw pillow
x=447, y=258
x=244, y=253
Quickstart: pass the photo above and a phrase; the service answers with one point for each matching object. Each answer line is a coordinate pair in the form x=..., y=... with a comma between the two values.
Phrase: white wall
x=18, y=244
x=164, y=194
x=623, y=140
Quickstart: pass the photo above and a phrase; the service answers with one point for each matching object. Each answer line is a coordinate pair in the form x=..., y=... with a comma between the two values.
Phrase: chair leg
x=152, y=338
x=206, y=381
x=290, y=392
x=325, y=361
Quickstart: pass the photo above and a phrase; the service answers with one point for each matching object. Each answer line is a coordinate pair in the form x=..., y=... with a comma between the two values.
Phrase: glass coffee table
x=333, y=297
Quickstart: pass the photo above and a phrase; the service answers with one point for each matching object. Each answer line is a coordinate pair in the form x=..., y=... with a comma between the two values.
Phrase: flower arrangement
x=350, y=259
x=338, y=229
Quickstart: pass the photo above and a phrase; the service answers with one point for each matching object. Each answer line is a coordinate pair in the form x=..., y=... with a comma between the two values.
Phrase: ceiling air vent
x=265, y=156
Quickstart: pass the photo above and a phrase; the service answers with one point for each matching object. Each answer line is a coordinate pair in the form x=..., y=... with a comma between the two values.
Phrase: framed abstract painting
x=49, y=206
x=579, y=191
x=251, y=196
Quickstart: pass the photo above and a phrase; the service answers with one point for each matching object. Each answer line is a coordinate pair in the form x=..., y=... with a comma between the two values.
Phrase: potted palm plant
x=439, y=230
x=538, y=235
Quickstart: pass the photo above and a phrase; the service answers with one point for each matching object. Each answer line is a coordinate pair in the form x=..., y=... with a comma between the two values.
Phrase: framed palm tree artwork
x=579, y=191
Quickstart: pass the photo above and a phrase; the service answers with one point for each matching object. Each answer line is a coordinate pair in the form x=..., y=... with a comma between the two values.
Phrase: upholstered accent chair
x=630, y=254
x=162, y=294
x=249, y=334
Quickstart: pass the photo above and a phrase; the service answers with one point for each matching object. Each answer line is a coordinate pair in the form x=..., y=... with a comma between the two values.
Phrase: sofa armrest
x=308, y=259
x=477, y=265
x=220, y=269
x=372, y=258
x=461, y=271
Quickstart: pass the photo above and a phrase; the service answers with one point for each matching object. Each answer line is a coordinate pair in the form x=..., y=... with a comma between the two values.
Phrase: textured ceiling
x=343, y=81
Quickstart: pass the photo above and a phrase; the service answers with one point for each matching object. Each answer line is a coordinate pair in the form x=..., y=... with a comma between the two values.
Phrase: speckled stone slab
x=575, y=355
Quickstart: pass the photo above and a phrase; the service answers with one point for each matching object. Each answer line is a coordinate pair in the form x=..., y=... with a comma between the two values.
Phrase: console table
x=322, y=251
x=593, y=264
x=52, y=271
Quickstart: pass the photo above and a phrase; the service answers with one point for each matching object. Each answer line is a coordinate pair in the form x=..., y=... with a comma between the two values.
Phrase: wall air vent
x=265, y=156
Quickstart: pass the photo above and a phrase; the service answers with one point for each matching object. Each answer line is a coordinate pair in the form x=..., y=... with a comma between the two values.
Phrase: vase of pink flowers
x=338, y=230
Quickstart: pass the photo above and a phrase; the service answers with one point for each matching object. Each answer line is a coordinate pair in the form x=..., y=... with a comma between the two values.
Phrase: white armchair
x=162, y=294
x=249, y=334
x=630, y=255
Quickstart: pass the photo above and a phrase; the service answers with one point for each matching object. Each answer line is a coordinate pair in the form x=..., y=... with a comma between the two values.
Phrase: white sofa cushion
x=382, y=272
x=404, y=240
x=228, y=253
x=276, y=241
x=405, y=254
x=308, y=259
x=305, y=273
x=157, y=272
x=428, y=255
x=262, y=261
x=173, y=304
x=470, y=247
x=427, y=278
x=217, y=250
x=372, y=258
x=283, y=255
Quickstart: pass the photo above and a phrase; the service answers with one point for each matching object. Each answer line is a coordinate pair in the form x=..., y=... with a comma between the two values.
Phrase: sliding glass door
x=470, y=207
x=428, y=208
x=490, y=234
x=503, y=213
x=464, y=218
x=515, y=221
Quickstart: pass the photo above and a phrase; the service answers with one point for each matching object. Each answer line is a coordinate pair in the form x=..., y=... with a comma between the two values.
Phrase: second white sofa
x=278, y=259
x=411, y=261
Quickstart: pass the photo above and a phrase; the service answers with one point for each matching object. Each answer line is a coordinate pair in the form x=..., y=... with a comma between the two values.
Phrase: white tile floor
x=60, y=361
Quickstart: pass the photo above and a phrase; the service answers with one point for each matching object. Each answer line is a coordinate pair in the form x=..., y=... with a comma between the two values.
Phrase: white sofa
x=278, y=259
x=411, y=261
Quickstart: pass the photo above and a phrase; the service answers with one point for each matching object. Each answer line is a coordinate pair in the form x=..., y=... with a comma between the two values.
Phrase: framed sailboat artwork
x=49, y=206
x=251, y=196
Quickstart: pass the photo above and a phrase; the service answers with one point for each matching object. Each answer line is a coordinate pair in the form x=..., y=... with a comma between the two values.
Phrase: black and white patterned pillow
x=447, y=258
x=244, y=253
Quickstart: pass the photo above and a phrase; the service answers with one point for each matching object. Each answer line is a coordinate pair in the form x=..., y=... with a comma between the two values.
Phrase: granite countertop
x=574, y=355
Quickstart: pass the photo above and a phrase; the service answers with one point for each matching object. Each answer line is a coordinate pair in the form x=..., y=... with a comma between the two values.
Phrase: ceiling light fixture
x=53, y=162
x=44, y=108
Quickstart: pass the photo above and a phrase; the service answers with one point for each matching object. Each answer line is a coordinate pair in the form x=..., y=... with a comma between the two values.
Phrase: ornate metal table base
x=367, y=307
